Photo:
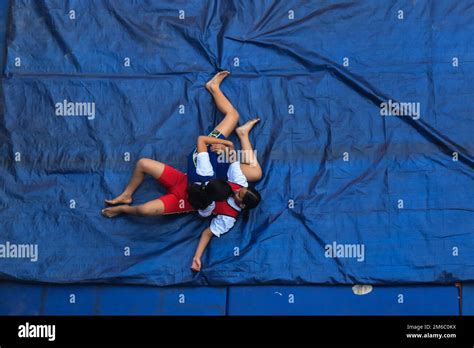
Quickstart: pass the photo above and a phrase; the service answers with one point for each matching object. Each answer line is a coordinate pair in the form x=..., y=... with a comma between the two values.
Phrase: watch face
x=215, y=133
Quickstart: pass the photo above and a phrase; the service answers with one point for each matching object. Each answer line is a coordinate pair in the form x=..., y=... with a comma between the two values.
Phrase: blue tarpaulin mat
x=365, y=140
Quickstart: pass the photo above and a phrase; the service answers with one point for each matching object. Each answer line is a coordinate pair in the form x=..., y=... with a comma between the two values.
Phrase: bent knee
x=233, y=114
x=147, y=163
x=254, y=175
x=143, y=162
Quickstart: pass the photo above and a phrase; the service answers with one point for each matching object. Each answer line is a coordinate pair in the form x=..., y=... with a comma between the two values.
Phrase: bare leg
x=231, y=118
x=151, y=208
x=251, y=168
x=143, y=166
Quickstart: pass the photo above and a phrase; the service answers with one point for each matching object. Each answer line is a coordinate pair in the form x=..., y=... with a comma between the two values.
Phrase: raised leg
x=249, y=162
x=231, y=118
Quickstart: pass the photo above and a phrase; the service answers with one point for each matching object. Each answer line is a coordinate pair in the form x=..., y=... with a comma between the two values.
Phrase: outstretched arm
x=203, y=242
x=203, y=141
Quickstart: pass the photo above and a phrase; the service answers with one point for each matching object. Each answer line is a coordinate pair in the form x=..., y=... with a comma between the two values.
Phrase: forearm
x=203, y=141
x=203, y=242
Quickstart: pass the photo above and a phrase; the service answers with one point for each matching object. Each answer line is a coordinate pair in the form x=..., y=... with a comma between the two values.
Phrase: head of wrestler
x=247, y=198
x=201, y=196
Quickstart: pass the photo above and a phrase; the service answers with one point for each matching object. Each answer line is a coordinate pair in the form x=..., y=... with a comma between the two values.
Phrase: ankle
x=241, y=134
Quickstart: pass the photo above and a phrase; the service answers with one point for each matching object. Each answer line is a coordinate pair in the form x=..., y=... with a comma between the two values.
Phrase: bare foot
x=247, y=127
x=122, y=199
x=215, y=82
x=112, y=211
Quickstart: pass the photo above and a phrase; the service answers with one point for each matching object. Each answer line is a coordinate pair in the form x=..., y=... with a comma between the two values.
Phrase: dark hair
x=200, y=195
x=197, y=196
x=218, y=190
x=251, y=198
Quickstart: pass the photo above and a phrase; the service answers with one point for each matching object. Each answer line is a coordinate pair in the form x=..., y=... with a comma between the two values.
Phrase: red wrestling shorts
x=176, y=183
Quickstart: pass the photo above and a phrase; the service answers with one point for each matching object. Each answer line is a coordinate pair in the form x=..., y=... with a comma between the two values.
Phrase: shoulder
x=221, y=224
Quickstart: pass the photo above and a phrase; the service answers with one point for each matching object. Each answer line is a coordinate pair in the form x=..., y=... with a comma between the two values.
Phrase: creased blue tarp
x=397, y=189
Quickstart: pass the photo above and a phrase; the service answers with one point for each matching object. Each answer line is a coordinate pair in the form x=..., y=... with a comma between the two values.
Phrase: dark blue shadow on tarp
x=340, y=300
x=3, y=31
x=392, y=195
x=28, y=299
